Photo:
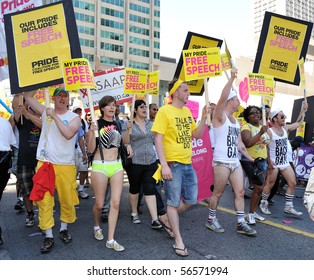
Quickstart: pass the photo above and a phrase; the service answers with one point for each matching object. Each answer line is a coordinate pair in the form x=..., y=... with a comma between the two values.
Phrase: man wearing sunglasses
x=279, y=150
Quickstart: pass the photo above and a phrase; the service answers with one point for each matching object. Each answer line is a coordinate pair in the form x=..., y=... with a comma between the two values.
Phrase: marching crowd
x=55, y=146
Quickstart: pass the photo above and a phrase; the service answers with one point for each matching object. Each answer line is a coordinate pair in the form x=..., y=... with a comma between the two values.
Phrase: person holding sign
x=56, y=165
x=279, y=150
x=226, y=163
x=174, y=128
x=107, y=166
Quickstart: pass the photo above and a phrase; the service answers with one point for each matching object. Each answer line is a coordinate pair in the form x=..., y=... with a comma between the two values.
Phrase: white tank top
x=278, y=149
x=52, y=146
x=226, y=142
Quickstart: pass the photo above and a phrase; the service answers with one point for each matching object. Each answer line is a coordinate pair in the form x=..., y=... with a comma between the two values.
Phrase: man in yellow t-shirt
x=174, y=127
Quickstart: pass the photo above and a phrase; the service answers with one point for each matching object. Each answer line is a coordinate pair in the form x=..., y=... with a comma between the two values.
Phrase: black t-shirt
x=29, y=135
x=109, y=134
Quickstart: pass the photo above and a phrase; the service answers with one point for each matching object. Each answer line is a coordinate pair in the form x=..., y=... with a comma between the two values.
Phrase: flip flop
x=167, y=229
x=185, y=253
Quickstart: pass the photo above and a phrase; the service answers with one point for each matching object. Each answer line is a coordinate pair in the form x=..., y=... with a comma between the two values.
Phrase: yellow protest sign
x=201, y=63
x=77, y=74
x=135, y=81
x=301, y=130
x=260, y=84
x=225, y=62
x=152, y=86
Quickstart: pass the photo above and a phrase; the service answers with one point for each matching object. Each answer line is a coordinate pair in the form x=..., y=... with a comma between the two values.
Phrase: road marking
x=277, y=225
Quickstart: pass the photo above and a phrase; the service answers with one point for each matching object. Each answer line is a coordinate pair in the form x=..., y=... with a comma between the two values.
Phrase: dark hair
x=151, y=105
x=247, y=110
x=106, y=100
x=137, y=104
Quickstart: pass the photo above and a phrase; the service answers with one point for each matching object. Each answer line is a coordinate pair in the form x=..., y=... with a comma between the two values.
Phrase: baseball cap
x=58, y=90
x=76, y=108
x=232, y=94
x=274, y=113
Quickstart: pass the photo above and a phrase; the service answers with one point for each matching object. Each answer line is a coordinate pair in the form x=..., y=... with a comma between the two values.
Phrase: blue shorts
x=183, y=184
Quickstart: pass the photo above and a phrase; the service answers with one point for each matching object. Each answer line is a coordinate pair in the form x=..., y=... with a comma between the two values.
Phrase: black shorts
x=25, y=177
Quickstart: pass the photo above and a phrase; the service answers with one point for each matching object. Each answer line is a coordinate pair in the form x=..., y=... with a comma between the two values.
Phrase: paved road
x=280, y=237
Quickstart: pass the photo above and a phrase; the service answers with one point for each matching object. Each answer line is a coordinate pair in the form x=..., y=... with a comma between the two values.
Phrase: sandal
x=177, y=250
x=167, y=229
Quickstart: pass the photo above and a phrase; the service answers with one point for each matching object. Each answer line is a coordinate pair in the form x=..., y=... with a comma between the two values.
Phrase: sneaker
x=135, y=219
x=115, y=246
x=82, y=194
x=48, y=245
x=156, y=225
x=250, y=219
x=29, y=221
x=264, y=207
x=214, y=225
x=244, y=228
x=19, y=206
x=65, y=236
x=258, y=217
x=98, y=234
x=292, y=211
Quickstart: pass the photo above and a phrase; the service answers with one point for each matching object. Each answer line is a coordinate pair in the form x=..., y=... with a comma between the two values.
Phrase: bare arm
x=165, y=170
x=300, y=119
x=67, y=131
x=218, y=114
x=197, y=133
x=243, y=150
x=36, y=106
x=250, y=140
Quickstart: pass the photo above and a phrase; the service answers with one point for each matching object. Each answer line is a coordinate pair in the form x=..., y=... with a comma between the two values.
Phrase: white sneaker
x=264, y=207
x=98, y=234
x=258, y=217
x=82, y=194
x=115, y=246
x=291, y=210
x=250, y=219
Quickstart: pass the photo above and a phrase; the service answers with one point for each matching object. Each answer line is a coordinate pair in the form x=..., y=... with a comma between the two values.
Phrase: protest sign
x=225, y=62
x=38, y=40
x=195, y=41
x=243, y=90
x=152, y=86
x=108, y=82
x=260, y=84
x=77, y=74
x=201, y=63
x=135, y=81
x=194, y=108
x=283, y=41
x=7, y=7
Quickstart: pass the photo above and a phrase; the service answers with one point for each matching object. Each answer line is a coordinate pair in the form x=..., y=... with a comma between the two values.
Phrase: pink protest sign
x=243, y=90
x=194, y=108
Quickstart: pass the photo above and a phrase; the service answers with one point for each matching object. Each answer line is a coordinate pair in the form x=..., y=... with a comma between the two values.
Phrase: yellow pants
x=67, y=194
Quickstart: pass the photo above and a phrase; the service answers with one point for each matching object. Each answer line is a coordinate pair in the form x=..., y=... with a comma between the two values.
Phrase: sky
x=229, y=20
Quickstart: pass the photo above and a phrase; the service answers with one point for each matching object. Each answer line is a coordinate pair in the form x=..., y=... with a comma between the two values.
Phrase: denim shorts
x=183, y=184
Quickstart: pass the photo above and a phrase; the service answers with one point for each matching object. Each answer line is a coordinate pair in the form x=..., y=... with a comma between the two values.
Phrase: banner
x=108, y=82
x=195, y=41
x=260, y=84
x=38, y=40
x=152, y=86
x=202, y=63
x=135, y=81
x=283, y=41
x=7, y=7
x=77, y=74
x=202, y=157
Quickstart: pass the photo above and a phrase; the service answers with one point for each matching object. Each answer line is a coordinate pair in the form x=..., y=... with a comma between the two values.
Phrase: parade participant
x=107, y=166
x=153, y=109
x=29, y=126
x=256, y=139
x=174, y=128
x=279, y=160
x=56, y=161
x=226, y=162
x=144, y=165
x=7, y=139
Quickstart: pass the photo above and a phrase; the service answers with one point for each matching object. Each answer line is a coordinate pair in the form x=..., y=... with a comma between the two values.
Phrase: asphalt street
x=280, y=237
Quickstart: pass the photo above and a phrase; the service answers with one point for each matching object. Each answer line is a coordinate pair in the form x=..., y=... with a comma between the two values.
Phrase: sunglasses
x=282, y=117
x=155, y=109
x=89, y=114
x=254, y=113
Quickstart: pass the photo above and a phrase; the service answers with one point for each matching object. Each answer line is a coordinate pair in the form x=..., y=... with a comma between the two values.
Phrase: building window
x=139, y=30
x=84, y=5
x=139, y=8
x=138, y=41
x=111, y=47
x=84, y=17
x=138, y=65
x=111, y=35
x=112, y=24
x=138, y=52
x=86, y=30
x=89, y=57
x=119, y=3
x=112, y=12
x=87, y=43
x=111, y=61
x=139, y=19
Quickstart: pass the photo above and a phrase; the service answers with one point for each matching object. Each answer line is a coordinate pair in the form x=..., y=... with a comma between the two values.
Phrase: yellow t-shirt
x=259, y=149
x=176, y=125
